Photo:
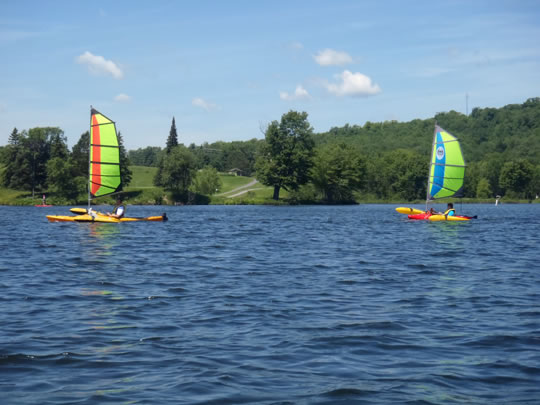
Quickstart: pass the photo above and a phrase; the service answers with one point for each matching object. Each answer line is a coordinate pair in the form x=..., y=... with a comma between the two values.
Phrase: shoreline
x=280, y=203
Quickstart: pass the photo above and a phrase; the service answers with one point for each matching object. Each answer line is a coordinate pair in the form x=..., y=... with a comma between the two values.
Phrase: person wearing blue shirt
x=450, y=211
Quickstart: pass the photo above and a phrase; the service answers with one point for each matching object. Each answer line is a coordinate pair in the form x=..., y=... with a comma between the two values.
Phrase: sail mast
x=430, y=163
x=89, y=159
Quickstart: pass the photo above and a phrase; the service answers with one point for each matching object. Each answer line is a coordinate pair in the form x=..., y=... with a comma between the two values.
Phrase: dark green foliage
x=178, y=170
x=501, y=148
x=483, y=189
x=206, y=181
x=62, y=180
x=125, y=173
x=225, y=156
x=172, y=143
x=489, y=137
x=516, y=177
x=172, y=140
x=149, y=156
x=79, y=155
x=27, y=155
x=399, y=174
x=286, y=157
x=14, y=137
x=338, y=172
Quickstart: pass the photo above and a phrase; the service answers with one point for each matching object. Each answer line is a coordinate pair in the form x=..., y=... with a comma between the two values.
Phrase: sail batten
x=447, y=166
x=104, y=159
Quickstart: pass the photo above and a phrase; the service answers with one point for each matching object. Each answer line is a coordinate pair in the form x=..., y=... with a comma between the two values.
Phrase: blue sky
x=225, y=69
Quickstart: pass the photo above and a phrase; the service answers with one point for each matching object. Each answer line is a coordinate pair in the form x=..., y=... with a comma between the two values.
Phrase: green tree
x=400, y=174
x=515, y=178
x=14, y=137
x=28, y=155
x=57, y=144
x=37, y=151
x=148, y=156
x=172, y=143
x=172, y=140
x=80, y=154
x=338, y=172
x=125, y=173
x=535, y=183
x=178, y=169
x=287, y=155
x=483, y=189
x=17, y=159
x=62, y=181
x=206, y=181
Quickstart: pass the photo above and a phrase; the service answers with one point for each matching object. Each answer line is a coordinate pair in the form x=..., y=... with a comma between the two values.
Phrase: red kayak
x=43, y=205
x=424, y=215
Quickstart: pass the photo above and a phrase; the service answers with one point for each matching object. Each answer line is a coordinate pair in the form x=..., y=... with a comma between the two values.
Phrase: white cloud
x=122, y=98
x=299, y=94
x=330, y=57
x=353, y=84
x=205, y=105
x=98, y=65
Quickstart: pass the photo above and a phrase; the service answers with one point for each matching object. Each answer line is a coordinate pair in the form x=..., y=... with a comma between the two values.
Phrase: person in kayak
x=450, y=211
x=118, y=210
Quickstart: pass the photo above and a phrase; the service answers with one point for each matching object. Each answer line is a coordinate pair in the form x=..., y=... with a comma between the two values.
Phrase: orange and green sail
x=104, y=156
x=447, y=167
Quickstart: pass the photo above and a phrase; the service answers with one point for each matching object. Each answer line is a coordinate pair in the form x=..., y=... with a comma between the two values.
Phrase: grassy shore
x=141, y=191
x=235, y=190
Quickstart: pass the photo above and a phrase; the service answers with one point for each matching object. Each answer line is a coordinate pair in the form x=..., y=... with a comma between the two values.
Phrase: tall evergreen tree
x=125, y=173
x=172, y=143
x=14, y=138
x=172, y=140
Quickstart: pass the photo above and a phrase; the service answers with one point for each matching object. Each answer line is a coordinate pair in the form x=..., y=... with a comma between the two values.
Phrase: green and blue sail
x=447, y=167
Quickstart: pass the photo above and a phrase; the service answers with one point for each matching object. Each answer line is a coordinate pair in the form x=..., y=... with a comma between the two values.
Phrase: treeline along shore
x=375, y=162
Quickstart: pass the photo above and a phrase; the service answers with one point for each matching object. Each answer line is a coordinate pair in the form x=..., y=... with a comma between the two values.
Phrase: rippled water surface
x=273, y=305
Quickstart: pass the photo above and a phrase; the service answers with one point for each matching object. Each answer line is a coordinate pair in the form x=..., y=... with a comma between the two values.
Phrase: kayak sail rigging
x=103, y=174
x=447, y=167
x=445, y=178
x=104, y=157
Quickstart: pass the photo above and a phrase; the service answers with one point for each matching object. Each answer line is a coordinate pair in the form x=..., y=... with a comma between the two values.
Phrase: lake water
x=271, y=305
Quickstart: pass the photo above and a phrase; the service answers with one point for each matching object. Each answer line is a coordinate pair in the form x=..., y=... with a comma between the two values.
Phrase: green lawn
x=8, y=196
x=143, y=177
x=142, y=191
x=230, y=182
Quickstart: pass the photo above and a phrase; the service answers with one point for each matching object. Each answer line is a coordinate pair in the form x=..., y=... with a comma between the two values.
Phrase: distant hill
x=513, y=131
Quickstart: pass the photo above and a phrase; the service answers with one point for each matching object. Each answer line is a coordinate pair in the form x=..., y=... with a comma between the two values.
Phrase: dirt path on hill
x=240, y=190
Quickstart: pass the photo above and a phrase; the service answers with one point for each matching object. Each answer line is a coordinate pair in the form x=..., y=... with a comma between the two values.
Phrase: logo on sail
x=440, y=153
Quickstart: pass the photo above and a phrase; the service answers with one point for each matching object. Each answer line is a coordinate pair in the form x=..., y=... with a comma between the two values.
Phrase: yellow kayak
x=96, y=216
x=409, y=211
x=450, y=218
